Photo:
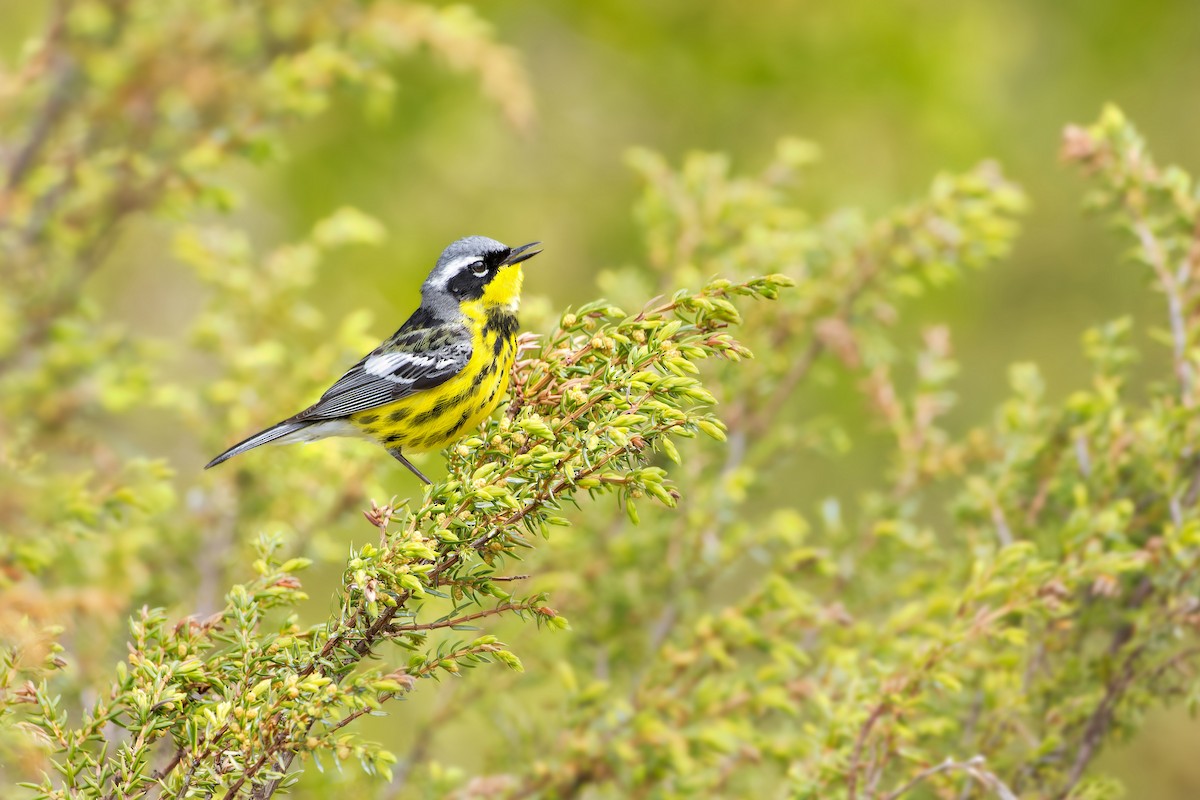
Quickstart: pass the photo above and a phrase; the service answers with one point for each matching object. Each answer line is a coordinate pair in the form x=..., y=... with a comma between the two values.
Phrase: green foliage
x=1012, y=597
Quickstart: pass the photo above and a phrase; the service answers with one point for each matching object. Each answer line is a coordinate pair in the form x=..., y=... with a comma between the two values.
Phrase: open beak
x=519, y=254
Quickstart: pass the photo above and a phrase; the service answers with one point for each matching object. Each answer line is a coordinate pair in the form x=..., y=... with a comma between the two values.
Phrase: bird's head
x=477, y=270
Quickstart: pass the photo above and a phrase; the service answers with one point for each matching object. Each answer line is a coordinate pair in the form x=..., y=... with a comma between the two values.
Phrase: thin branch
x=268, y=789
x=869, y=270
x=427, y=668
x=1003, y=531
x=1100, y=721
x=973, y=767
x=859, y=743
x=64, y=81
x=395, y=630
x=169, y=767
x=1157, y=259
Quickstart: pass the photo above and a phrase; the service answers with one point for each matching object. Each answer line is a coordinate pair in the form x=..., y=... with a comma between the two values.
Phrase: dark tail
x=262, y=437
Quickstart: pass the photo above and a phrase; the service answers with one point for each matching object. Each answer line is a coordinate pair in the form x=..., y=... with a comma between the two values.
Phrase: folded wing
x=405, y=364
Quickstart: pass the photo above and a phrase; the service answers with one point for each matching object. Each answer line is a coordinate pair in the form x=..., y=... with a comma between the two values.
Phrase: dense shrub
x=1007, y=601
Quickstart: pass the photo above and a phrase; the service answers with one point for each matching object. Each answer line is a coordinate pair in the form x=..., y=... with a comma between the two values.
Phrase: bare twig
x=974, y=767
x=1083, y=456
x=1003, y=532
x=864, y=733
x=65, y=76
x=1152, y=250
x=1100, y=721
x=869, y=269
x=396, y=630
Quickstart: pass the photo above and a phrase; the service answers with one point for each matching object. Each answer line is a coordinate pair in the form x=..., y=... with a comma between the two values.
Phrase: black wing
x=409, y=362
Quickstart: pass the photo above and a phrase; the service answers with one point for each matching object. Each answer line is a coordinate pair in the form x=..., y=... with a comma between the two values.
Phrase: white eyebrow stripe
x=451, y=269
x=457, y=264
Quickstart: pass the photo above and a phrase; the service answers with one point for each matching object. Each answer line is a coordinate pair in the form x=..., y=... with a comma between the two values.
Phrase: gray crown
x=434, y=296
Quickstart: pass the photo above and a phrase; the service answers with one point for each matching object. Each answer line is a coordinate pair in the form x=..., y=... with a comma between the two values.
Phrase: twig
x=1175, y=303
x=1082, y=455
x=450, y=623
x=972, y=766
x=169, y=767
x=268, y=789
x=1003, y=532
x=1100, y=721
x=786, y=386
x=859, y=743
x=65, y=74
x=869, y=269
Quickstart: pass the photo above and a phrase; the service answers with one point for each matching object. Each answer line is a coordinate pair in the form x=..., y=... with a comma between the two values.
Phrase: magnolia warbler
x=438, y=376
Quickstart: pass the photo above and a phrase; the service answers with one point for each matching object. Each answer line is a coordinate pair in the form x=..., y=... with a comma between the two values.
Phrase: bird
x=438, y=376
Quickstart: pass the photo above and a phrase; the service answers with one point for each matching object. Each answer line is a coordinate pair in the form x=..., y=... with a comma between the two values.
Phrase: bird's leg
x=396, y=454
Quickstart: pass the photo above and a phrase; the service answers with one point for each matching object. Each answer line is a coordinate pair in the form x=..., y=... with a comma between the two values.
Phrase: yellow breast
x=433, y=418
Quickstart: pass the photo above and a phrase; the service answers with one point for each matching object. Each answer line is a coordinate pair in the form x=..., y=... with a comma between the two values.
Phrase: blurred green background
x=892, y=92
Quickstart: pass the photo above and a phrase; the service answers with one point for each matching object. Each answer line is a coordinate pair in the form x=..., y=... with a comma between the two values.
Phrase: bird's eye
x=479, y=269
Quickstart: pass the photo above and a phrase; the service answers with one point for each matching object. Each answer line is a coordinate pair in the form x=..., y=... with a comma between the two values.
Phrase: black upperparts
x=421, y=319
